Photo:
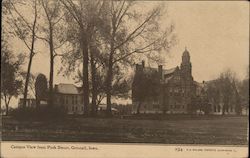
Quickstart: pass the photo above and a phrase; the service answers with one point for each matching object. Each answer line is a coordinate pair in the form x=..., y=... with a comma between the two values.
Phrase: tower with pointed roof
x=186, y=66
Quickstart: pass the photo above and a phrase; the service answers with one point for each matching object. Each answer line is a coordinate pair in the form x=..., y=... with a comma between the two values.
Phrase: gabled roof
x=169, y=71
x=67, y=89
x=167, y=79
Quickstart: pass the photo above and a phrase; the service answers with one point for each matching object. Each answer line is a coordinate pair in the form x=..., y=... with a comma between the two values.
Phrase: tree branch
x=140, y=50
x=130, y=36
x=72, y=13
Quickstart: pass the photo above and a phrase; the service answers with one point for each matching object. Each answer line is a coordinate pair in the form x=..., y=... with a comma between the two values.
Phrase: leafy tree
x=145, y=86
x=10, y=69
x=194, y=104
x=41, y=88
x=224, y=90
x=31, y=86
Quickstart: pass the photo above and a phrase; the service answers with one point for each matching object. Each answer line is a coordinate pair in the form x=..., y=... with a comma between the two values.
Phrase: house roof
x=67, y=89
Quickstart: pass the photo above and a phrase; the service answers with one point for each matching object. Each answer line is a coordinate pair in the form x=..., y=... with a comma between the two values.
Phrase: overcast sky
x=215, y=33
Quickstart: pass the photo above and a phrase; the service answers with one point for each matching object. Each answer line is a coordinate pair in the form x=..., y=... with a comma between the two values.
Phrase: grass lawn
x=221, y=130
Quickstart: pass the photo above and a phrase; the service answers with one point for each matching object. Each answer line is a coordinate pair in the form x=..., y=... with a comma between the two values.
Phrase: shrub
x=39, y=113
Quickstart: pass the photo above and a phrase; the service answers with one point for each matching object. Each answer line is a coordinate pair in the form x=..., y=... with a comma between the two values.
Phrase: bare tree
x=128, y=32
x=53, y=31
x=84, y=14
x=27, y=32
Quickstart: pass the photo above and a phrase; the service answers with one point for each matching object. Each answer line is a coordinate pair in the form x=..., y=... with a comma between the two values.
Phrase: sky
x=216, y=34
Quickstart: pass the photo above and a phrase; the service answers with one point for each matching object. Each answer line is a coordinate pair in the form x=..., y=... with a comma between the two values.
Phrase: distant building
x=174, y=91
x=103, y=107
x=30, y=102
x=69, y=97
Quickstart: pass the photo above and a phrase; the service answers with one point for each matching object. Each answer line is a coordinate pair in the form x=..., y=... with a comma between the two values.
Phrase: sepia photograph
x=125, y=72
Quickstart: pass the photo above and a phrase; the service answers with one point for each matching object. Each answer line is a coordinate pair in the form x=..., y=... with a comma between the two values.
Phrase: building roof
x=150, y=70
x=67, y=89
x=167, y=79
x=169, y=71
x=186, y=52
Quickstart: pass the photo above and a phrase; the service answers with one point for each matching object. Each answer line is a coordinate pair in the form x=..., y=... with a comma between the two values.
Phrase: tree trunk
x=94, y=85
x=109, y=86
x=138, y=108
x=27, y=81
x=51, y=77
x=30, y=59
x=84, y=46
x=7, y=101
x=37, y=102
x=110, y=70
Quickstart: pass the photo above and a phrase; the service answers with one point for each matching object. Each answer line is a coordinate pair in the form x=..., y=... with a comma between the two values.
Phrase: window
x=66, y=99
x=62, y=100
x=156, y=106
x=214, y=108
x=73, y=100
x=76, y=100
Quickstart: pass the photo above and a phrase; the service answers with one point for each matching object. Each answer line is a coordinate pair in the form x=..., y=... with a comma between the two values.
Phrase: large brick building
x=159, y=90
x=174, y=91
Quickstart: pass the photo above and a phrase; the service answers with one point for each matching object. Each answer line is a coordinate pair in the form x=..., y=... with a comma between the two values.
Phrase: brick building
x=175, y=88
x=159, y=90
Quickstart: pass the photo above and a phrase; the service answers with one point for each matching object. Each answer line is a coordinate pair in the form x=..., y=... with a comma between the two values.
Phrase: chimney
x=143, y=63
x=160, y=70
